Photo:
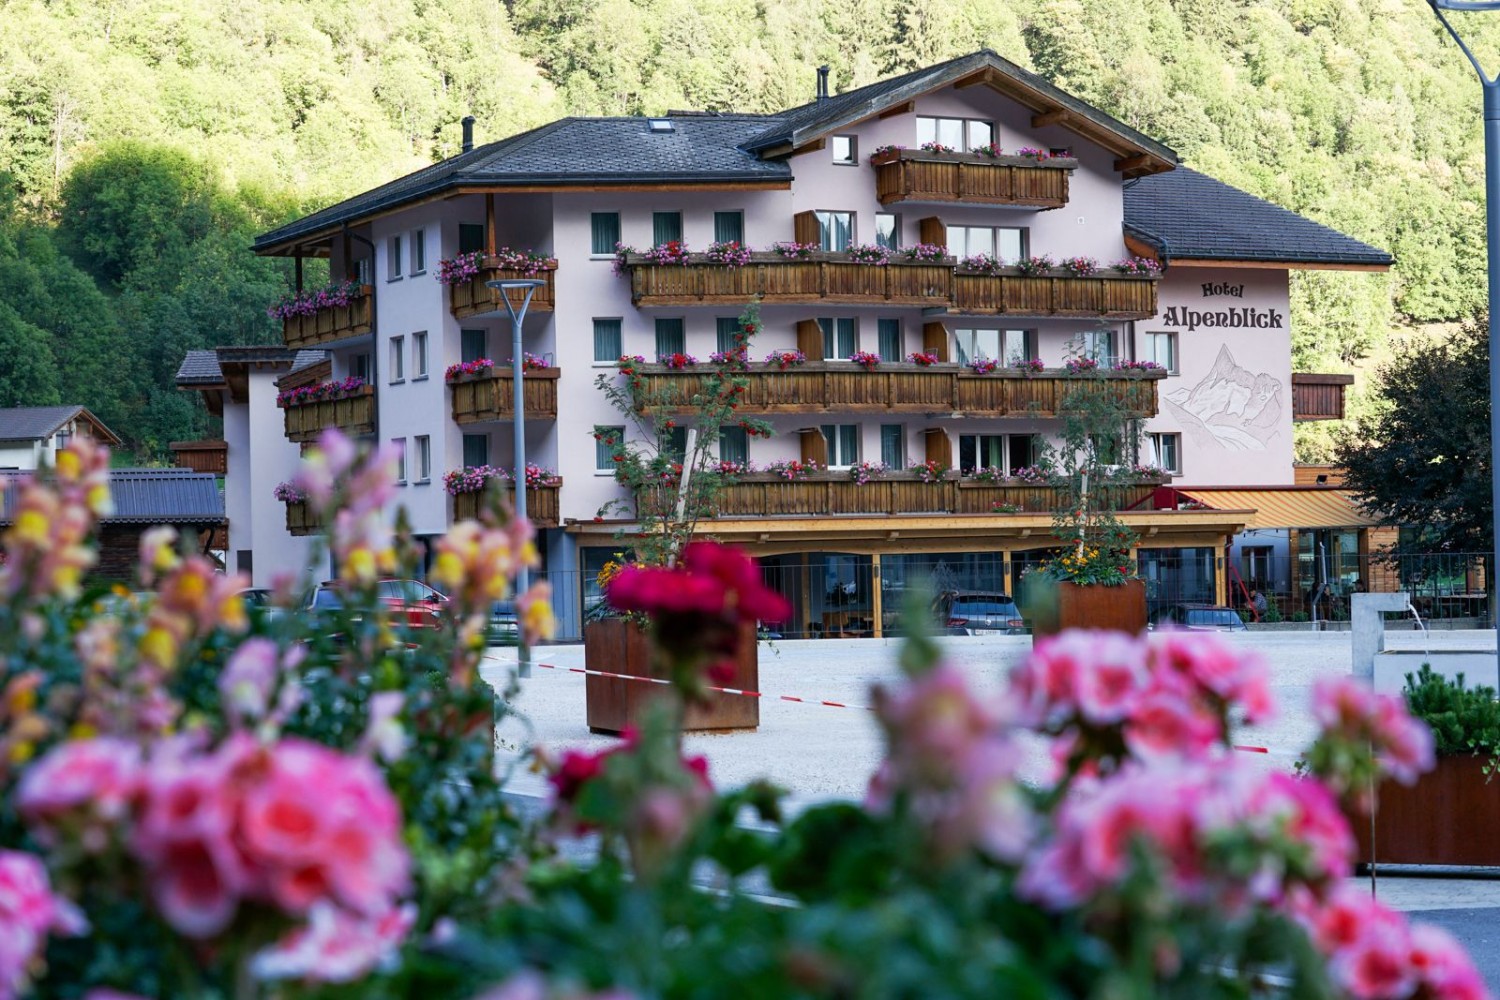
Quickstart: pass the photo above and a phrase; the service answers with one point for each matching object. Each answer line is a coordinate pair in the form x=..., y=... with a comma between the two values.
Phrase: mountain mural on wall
x=1231, y=406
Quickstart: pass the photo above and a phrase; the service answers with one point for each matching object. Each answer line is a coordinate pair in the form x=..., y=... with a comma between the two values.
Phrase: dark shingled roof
x=203, y=368
x=147, y=496
x=200, y=368
x=33, y=423
x=581, y=151
x=1183, y=213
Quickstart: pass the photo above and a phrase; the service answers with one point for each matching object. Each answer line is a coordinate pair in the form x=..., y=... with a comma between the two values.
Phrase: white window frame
x=929, y=130
x=418, y=252
x=834, y=442
x=851, y=159
x=400, y=444
x=419, y=356
x=393, y=258
x=1151, y=353
x=1087, y=341
x=962, y=242
x=831, y=333
x=424, y=457
x=968, y=347
x=599, y=454
x=1158, y=439
x=398, y=360
x=619, y=236
x=894, y=241
x=619, y=332
x=825, y=219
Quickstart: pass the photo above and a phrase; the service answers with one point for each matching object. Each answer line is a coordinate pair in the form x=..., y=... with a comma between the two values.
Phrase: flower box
x=331, y=324
x=490, y=395
x=1008, y=292
x=476, y=298
x=354, y=414
x=1051, y=607
x=301, y=520
x=618, y=646
x=542, y=505
x=920, y=175
x=776, y=279
x=1446, y=818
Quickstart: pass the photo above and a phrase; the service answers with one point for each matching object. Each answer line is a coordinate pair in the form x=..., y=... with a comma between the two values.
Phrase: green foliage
x=1464, y=720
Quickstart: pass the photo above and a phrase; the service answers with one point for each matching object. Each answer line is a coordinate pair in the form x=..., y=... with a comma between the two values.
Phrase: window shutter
x=935, y=340
x=814, y=445
x=932, y=230
x=805, y=228
x=810, y=339
x=939, y=446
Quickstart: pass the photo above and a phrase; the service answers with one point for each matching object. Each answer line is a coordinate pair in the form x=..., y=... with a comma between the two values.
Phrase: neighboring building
x=1218, y=321
x=31, y=435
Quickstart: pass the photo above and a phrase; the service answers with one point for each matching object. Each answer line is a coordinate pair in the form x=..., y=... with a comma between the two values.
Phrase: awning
x=1287, y=507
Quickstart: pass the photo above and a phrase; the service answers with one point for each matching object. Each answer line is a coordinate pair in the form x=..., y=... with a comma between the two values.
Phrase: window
x=418, y=356
x=670, y=338
x=1004, y=346
x=893, y=445
x=846, y=150
x=888, y=230
x=418, y=251
x=398, y=359
x=728, y=332
x=729, y=227
x=1099, y=345
x=393, y=259
x=997, y=241
x=1256, y=560
x=359, y=366
x=840, y=337
x=674, y=444
x=400, y=444
x=1168, y=448
x=603, y=452
x=1006, y=452
x=734, y=445
x=1106, y=448
x=607, y=347
x=666, y=227
x=889, y=334
x=476, y=450
x=1162, y=348
x=1060, y=151
x=835, y=230
x=843, y=444
x=471, y=237
x=424, y=458
x=962, y=134
x=362, y=271
x=472, y=345
x=604, y=233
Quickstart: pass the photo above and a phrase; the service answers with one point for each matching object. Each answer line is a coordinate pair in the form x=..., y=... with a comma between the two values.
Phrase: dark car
x=1198, y=618
x=505, y=627
x=965, y=612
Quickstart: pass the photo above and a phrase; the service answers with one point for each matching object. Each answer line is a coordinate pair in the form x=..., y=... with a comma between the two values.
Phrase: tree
x=1423, y=457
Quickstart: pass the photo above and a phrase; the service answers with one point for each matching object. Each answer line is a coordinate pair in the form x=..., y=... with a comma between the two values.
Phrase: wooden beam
x=489, y=224
x=1277, y=265
x=904, y=108
x=1136, y=162
x=1058, y=116
x=1141, y=248
x=811, y=147
x=974, y=79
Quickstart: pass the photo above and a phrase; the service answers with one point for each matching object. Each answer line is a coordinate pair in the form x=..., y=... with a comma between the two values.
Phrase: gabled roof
x=1186, y=215
x=799, y=126
x=147, y=496
x=200, y=368
x=205, y=369
x=574, y=152
x=33, y=423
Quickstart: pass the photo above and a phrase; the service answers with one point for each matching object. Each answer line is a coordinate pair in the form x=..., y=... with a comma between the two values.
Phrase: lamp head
x=521, y=283
x=1465, y=4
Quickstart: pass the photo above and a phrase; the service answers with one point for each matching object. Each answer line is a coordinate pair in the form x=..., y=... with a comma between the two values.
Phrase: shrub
x=1464, y=720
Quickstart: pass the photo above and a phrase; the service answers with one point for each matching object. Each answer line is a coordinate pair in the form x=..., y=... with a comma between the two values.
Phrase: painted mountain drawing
x=1237, y=408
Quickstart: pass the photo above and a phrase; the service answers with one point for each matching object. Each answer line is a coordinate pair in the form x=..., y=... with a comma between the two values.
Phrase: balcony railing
x=971, y=179
x=1318, y=397
x=826, y=494
x=844, y=387
x=331, y=323
x=475, y=298
x=301, y=519
x=202, y=456
x=1107, y=296
x=479, y=398
x=353, y=414
x=543, y=505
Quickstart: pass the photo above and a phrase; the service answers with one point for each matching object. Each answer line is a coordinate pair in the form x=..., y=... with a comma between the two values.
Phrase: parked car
x=1198, y=618
x=505, y=628
x=259, y=606
x=411, y=601
x=972, y=612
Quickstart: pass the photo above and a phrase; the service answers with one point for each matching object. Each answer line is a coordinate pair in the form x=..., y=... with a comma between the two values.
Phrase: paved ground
x=820, y=752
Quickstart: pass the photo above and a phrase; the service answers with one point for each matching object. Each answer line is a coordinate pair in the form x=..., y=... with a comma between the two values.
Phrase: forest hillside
x=143, y=143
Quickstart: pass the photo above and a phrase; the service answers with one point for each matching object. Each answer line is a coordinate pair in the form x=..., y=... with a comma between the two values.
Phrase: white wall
x=257, y=520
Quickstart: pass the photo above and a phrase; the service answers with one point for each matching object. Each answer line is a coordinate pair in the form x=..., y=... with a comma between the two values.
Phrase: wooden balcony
x=543, y=505
x=780, y=281
x=1103, y=296
x=300, y=519
x=480, y=398
x=202, y=456
x=353, y=414
x=909, y=175
x=331, y=324
x=832, y=493
x=475, y=298
x=844, y=387
x=1318, y=397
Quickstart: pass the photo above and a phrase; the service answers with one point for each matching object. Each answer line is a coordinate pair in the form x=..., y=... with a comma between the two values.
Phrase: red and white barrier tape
x=720, y=690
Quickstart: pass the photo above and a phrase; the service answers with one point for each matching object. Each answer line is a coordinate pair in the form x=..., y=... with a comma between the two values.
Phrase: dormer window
x=660, y=125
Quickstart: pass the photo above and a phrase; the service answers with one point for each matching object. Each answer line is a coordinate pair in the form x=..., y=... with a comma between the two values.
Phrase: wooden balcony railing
x=202, y=456
x=543, y=505
x=331, y=323
x=971, y=179
x=1108, y=296
x=825, y=494
x=1318, y=397
x=474, y=297
x=844, y=387
x=300, y=519
x=478, y=398
x=782, y=280
x=353, y=414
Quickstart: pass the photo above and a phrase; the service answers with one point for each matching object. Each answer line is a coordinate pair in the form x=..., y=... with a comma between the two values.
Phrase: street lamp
x=528, y=287
x=1491, y=85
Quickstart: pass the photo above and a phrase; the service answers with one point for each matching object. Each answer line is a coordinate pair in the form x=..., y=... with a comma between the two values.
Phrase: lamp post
x=1491, y=86
x=528, y=287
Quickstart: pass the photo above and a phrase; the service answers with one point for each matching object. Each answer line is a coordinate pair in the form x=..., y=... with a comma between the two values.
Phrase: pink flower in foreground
x=336, y=946
x=1443, y=967
x=248, y=680
x=81, y=785
x=1348, y=710
x=28, y=913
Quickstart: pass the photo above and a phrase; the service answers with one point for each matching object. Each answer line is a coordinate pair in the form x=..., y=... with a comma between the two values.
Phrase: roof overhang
x=1284, y=507
x=1143, y=244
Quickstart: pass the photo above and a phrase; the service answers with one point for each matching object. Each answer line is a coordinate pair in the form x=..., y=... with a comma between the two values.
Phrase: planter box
x=353, y=414
x=616, y=646
x=331, y=324
x=968, y=178
x=476, y=298
x=541, y=505
x=300, y=519
x=1053, y=607
x=480, y=398
x=1447, y=818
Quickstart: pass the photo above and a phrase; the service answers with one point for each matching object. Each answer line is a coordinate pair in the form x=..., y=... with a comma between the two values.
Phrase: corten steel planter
x=475, y=297
x=617, y=646
x=300, y=519
x=1052, y=607
x=1449, y=817
x=541, y=505
x=331, y=323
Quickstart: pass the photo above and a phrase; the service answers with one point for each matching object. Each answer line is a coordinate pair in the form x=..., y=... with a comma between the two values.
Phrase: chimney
x=468, y=133
x=823, y=83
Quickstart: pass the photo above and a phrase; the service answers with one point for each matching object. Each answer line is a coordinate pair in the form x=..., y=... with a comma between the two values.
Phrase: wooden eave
x=1271, y=265
x=321, y=371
